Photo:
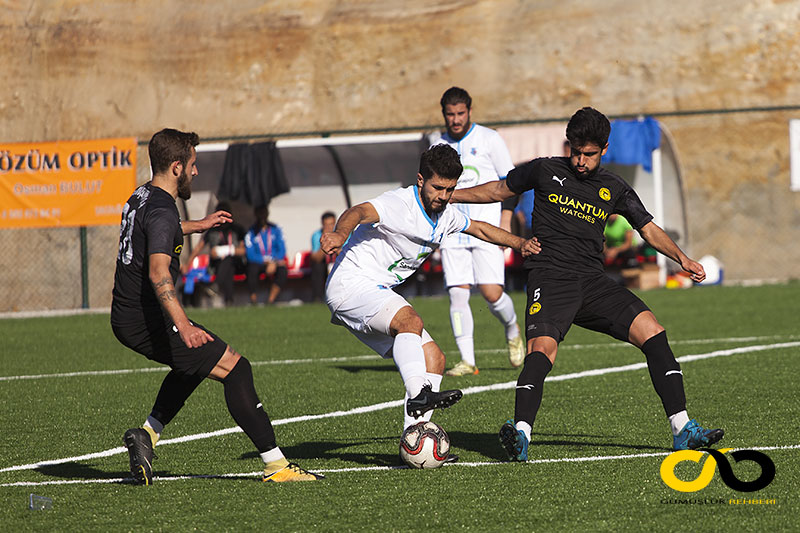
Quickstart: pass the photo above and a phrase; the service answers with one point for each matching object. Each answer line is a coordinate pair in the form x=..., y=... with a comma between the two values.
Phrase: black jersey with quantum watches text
x=570, y=213
x=150, y=224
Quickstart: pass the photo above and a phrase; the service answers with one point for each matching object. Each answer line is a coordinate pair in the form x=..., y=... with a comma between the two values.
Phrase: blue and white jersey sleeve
x=457, y=221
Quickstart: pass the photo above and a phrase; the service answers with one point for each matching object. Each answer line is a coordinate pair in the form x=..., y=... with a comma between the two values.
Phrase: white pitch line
x=594, y=458
x=165, y=369
x=397, y=403
x=374, y=356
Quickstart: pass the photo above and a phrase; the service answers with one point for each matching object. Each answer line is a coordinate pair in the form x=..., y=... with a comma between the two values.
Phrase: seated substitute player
x=396, y=232
x=467, y=261
x=147, y=317
x=266, y=252
x=566, y=283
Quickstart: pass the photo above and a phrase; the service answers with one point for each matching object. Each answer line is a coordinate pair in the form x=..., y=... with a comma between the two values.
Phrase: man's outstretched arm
x=494, y=191
x=365, y=213
x=213, y=220
x=658, y=239
x=487, y=232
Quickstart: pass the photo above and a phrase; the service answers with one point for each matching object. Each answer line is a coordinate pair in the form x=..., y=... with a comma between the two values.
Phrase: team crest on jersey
x=178, y=249
x=605, y=194
x=474, y=151
x=535, y=308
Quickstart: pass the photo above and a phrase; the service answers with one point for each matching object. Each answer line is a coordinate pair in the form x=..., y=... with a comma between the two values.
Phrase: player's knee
x=546, y=345
x=406, y=320
x=227, y=364
x=241, y=370
x=643, y=328
x=491, y=293
x=414, y=324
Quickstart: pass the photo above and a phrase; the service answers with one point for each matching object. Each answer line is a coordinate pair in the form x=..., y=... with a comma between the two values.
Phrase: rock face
x=81, y=69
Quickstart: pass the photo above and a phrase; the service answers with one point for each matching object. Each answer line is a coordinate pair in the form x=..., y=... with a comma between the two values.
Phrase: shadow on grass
x=80, y=471
x=488, y=444
x=355, y=369
x=86, y=472
x=347, y=450
x=585, y=441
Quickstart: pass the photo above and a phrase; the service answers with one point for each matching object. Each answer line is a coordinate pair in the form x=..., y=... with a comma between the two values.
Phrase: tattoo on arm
x=165, y=290
x=167, y=296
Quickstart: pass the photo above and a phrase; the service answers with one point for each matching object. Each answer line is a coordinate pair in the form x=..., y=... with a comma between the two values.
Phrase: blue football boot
x=694, y=436
x=514, y=442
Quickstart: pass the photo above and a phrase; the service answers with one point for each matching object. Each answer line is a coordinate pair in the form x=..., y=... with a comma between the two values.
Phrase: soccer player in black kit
x=566, y=282
x=147, y=317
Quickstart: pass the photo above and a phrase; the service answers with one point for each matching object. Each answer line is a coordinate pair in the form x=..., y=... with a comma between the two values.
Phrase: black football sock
x=529, y=387
x=246, y=409
x=175, y=389
x=665, y=372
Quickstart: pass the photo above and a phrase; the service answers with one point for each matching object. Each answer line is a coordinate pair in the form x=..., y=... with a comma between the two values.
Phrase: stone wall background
x=89, y=69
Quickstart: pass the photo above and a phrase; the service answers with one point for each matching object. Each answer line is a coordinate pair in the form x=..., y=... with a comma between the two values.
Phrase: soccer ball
x=424, y=445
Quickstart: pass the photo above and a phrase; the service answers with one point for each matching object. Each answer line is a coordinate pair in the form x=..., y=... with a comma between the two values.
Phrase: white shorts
x=473, y=266
x=368, y=314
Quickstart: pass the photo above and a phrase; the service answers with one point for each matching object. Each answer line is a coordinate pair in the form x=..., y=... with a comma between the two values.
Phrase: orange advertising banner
x=65, y=183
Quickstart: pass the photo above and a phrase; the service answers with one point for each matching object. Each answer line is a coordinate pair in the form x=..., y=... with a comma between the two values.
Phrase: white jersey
x=485, y=158
x=386, y=253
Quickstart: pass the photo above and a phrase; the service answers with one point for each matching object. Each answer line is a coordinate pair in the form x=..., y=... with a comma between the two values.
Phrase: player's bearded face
x=585, y=160
x=184, y=186
x=456, y=119
x=435, y=193
x=185, y=179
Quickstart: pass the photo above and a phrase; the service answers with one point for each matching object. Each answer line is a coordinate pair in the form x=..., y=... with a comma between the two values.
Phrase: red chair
x=299, y=264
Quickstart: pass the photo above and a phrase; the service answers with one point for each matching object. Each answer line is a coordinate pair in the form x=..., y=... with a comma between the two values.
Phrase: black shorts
x=558, y=299
x=161, y=343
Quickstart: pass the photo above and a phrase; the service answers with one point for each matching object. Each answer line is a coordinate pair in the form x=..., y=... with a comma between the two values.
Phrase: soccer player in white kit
x=468, y=261
x=394, y=234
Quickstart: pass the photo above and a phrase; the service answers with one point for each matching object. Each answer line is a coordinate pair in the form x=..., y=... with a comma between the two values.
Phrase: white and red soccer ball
x=424, y=445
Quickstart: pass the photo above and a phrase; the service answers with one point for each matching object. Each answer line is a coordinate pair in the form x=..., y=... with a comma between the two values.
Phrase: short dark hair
x=588, y=125
x=456, y=95
x=328, y=214
x=168, y=146
x=442, y=160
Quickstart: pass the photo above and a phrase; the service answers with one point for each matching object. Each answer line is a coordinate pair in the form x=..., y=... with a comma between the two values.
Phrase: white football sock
x=678, y=421
x=275, y=454
x=525, y=427
x=503, y=309
x=435, y=380
x=462, y=323
x=410, y=361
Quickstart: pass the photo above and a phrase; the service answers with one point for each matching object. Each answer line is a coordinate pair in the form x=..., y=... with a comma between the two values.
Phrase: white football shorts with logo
x=476, y=265
x=368, y=314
